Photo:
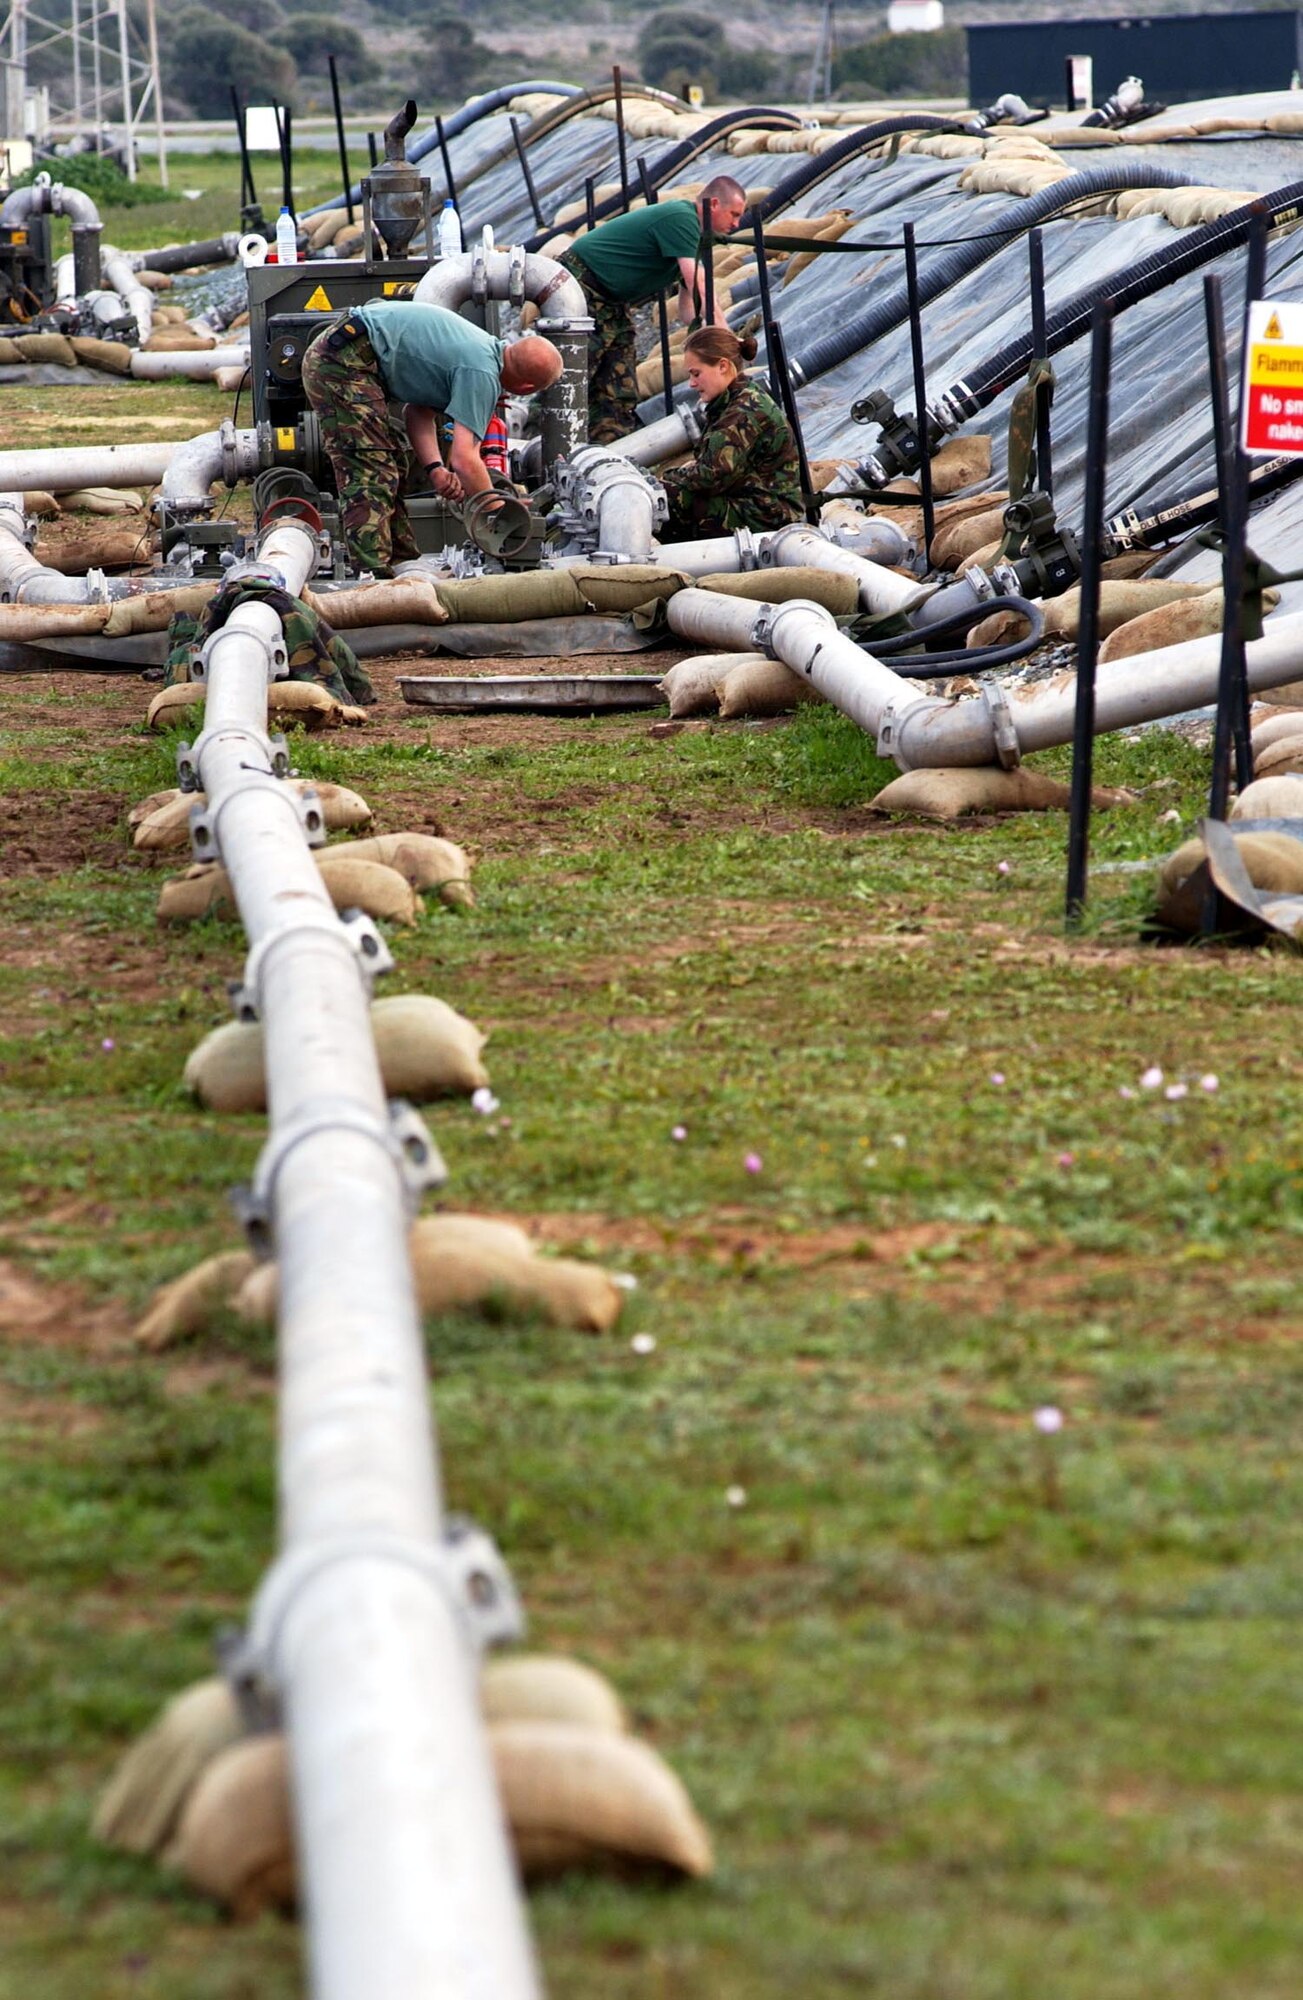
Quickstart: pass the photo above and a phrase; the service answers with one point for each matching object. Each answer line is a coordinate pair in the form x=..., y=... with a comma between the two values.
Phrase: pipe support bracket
x=188, y=755
x=465, y=1567
x=205, y=838
x=359, y=932
x=402, y=1136
x=1007, y=747
x=274, y=651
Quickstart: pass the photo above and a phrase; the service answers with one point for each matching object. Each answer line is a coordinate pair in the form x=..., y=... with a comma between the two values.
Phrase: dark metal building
x=1210, y=55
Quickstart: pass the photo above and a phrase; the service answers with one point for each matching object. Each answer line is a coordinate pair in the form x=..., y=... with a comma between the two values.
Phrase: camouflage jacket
x=747, y=456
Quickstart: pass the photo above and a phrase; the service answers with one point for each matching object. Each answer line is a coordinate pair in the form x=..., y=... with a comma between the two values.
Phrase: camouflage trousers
x=316, y=651
x=694, y=514
x=612, y=361
x=368, y=452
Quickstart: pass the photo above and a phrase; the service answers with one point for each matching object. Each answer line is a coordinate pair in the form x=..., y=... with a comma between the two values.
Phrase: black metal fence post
x=920, y=386
x=527, y=177
x=766, y=303
x=649, y=195
x=590, y=203
x=620, y=140
x=1225, y=450
x=1036, y=281
x=448, y=181
x=778, y=348
x=339, y=134
x=1092, y=541
x=708, y=259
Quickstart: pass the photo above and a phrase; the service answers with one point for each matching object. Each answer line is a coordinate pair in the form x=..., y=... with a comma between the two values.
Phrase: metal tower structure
x=98, y=36
x=821, y=68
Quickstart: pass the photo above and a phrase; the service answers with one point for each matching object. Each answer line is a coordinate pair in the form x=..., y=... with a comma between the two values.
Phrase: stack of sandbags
x=460, y=1263
x=213, y=1802
x=304, y=702
x=161, y=823
x=1184, y=208
x=112, y=356
x=1121, y=601
x=103, y=500
x=424, y=1047
x=953, y=794
x=50, y=348
x=1171, y=624
x=733, y=684
x=323, y=229
x=383, y=877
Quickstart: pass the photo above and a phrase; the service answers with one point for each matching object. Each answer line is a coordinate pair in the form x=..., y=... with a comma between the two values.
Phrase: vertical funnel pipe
x=565, y=404
x=86, y=274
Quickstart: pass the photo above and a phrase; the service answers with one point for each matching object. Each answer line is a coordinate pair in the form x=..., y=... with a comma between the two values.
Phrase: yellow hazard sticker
x=318, y=303
x=284, y=438
x=1272, y=330
x=392, y=286
x=18, y=236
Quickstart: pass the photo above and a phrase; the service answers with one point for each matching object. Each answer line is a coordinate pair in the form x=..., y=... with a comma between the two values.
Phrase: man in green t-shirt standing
x=434, y=362
x=629, y=260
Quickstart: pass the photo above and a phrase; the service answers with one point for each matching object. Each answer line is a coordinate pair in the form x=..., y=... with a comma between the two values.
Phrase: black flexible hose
x=934, y=666
x=1072, y=319
x=883, y=314
x=1174, y=519
x=819, y=165
x=677, y=157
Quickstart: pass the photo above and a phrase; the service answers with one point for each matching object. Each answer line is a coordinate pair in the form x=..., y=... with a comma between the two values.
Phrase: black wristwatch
x=435, y=465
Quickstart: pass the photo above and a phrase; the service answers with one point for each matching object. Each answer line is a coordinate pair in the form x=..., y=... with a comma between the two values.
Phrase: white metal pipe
x=666, y=438
x=924, y=731
x=65, y=279
x=880, y=590
x=69, y=469
x=191, y=365
x=550, y=287
x=200, y=462
x=119, y=274
x=406, y=1875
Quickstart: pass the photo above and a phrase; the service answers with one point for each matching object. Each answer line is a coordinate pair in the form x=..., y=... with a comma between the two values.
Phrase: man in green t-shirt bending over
x=436, y=363
x=629, y=260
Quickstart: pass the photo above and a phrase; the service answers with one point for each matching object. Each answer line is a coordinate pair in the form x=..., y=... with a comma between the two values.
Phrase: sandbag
x=1275, y=726
x=43, y=507
x=1273, y=862
x=103, y=500
x=185, y=1306
x=355, y=883
x=949, y=794
x=1270, y=798
x=398, y=600
x=426, y=861
x=198, y=893
x=162, y=821
x=961, y=462
x=55, y=348
x=147, y=1793
x=438, y=1237
x=499, y=600
x=452, y=1271
x=690, y=687
x=424, y=1047
x=288, y=702
x=759, y=686
x=169, y=339
x=235, y=1840
x=1282, y=759
x=1288, y=695
x=952, y=546
x=574, y=1796
x=113, y=356
x=828, y=587
x=542, y=1687
x=612, y=589
x=1120, y=601
x=1170, y=624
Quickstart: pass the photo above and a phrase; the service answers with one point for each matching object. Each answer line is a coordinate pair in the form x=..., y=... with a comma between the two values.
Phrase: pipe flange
x=516, y=274
x=751, y=553
x=764, y=631
x=1007, y=747
x=893, y=720
x=479, y=275
x=465, y=1566
x=770, y=544
x=274, y=651
x=360, y=935
x=228, y=440
x=205, y=837
x=402, y=1136
x=189, y=754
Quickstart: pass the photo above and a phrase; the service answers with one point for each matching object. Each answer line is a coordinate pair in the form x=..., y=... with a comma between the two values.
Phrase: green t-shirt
x=431, y=356
x=635, y=256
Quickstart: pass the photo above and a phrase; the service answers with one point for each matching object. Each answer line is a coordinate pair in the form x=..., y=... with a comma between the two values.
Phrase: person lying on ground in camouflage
x=434, y=362
x=746, y=473
x=625, y=262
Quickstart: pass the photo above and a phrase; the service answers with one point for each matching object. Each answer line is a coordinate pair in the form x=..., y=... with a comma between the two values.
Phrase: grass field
x=973, y=1713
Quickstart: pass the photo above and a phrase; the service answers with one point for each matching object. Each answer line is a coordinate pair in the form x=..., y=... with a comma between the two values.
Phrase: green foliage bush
x=105, y=183
x=207, y=55
x=934, y=64
x=313, y=38
x=676, y=48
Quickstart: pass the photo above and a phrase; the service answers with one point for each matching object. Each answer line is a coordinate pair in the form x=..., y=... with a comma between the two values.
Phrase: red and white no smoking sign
x=1273, y=381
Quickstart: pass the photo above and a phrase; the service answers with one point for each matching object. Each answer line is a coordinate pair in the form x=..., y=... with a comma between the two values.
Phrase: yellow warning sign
x=318, y=303
x=1272, y=418
x=1272, y=330
x=391, y=286
x=284, y=438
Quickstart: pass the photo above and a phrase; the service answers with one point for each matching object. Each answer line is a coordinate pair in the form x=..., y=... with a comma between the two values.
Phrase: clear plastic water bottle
x=287, y=238
x=449, y=231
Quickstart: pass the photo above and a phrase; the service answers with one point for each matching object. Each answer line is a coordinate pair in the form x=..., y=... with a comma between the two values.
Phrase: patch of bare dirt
x=57, y=1315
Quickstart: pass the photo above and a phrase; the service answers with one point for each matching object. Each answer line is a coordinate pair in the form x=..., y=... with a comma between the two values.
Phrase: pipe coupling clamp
x=189, y=755
x=205, y=820
x=764, y=633
x=402, y=1136
x=274, y=652
x=1007, y=746
x=892, y=724
x=360, y=935
x=465, y=1566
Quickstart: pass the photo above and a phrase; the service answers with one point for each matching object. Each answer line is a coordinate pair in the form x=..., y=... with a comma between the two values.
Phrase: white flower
x=1048, y=1419
x=483, y=1101
x=1152, y=1077
x=1175, y=1091
x=643, y=1343
x=736, y=1496
x=1209, y=1083
x=625, y=1280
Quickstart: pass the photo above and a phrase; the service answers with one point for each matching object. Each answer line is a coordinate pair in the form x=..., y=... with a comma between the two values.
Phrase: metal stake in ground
x=530, y=189
x=708, y=260
x=248, y=192
x=373, y=149
x=448, y=180
x=621, y=142
x=778, y=350
x=1232, y=532
x=1036, y=280
x=1092, y=543
x=920, y=386
x=590, y=203
x=650, y=196
x=766, y=306
x=339, y=134
x=284, y=125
